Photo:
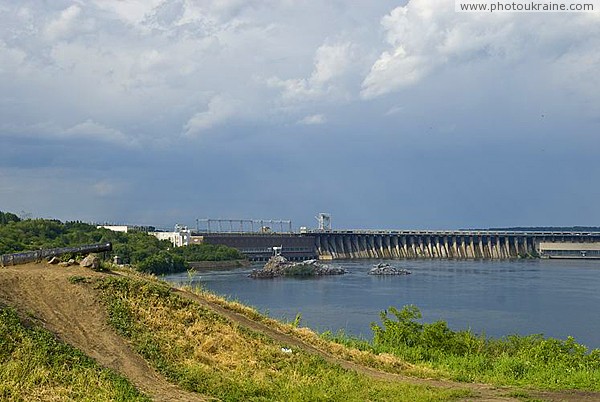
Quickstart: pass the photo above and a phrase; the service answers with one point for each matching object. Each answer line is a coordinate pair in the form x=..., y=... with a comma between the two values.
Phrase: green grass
x=35, y=366
x=204, y=352
x=532, y=361
x=79, y=279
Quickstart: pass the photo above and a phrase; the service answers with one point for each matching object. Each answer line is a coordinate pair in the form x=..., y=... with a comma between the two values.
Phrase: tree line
x=142, y=251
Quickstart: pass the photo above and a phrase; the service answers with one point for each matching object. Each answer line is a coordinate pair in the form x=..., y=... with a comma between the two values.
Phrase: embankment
x=199, y=265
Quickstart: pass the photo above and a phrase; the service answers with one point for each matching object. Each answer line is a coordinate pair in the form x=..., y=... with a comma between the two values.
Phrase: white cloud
x=151, y=67
x=146, y=15
x=331, y=62
x=313, y=119
x=11, y=58
x=90, y=129
x=68, y=22
x=216, y=10
x=394, y=110
x=130, y=11
x=219, y=109
x=87, y=130
x=427, y=35
x=149, y=70
x=105, y=188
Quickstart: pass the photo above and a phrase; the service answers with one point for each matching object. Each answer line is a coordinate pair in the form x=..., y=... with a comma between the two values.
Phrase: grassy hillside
x=35, y=366
x=207, y=353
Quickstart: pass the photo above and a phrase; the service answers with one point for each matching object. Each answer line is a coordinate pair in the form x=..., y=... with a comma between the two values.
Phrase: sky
x=386, y=114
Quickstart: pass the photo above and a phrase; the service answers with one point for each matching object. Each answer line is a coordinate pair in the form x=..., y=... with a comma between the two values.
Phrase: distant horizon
x=297, y=227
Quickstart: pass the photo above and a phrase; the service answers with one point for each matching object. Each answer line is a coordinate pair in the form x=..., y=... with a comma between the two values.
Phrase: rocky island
x=386, y=269
x=279, y=266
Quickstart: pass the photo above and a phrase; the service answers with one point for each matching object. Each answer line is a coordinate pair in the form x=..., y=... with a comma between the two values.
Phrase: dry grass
x=384, y=361
x=206, y=353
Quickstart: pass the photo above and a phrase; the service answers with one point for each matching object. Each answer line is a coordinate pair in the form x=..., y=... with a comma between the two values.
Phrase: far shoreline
x=205, y=265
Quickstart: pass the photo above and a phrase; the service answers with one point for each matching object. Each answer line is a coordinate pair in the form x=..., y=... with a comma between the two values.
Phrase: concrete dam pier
x=424, y=245
x=441, y=244
x=365, y=244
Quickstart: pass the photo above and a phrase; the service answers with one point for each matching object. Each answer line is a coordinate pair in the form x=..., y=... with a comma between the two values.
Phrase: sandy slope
x=76, y=315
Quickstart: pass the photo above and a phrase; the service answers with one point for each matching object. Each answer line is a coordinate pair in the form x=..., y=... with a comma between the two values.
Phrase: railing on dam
x=30, y=256
x=452, y=232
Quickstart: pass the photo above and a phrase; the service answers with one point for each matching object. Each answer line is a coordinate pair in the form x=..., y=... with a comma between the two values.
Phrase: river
x=557, y=298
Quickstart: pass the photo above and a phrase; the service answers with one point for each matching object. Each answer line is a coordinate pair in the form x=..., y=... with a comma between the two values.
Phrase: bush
x=7, y=217
x=299, y=270
x=162, y=263
x=515, y=359
x=208, y=252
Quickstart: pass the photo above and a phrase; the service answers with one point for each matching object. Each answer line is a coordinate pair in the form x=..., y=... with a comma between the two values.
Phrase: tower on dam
x=324, y=220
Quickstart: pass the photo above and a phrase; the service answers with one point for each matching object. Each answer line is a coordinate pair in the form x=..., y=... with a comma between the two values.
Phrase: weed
x=297, y=319
x=522, y=395
x=79, y=279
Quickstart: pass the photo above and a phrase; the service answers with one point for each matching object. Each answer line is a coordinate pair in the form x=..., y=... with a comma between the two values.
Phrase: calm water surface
x=556, y=298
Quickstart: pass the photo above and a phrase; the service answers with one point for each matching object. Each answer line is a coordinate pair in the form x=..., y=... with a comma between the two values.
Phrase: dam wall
x=334, y=245
x=426, y=244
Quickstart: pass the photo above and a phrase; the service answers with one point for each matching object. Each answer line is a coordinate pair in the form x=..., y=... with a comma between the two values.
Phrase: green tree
x=141, y=250
x=163, y=262
x=7, y=217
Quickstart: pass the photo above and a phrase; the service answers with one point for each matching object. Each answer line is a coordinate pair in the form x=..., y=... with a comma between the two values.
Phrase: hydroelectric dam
x=460, y=244
x=409, y=244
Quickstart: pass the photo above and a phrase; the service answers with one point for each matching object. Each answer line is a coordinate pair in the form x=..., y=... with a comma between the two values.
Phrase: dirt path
x=484, y=392
x=74, y=314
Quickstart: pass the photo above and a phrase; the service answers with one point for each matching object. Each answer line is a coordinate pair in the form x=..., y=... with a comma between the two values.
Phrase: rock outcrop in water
x=387, y=269
x=280, y=266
